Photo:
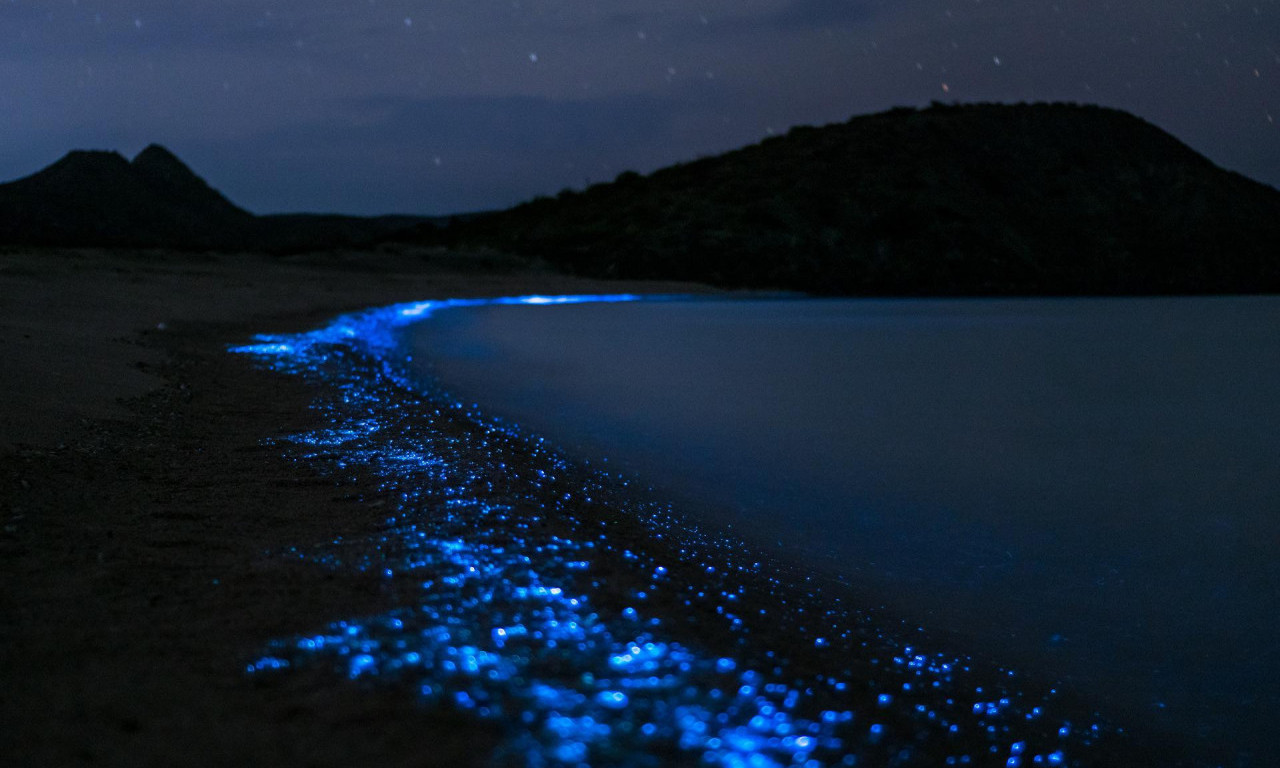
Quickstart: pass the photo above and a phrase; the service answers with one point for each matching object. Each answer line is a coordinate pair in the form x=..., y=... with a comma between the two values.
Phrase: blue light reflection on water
x=573, y=638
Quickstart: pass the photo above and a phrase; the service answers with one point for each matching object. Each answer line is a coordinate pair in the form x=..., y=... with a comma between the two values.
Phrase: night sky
x=378, y=106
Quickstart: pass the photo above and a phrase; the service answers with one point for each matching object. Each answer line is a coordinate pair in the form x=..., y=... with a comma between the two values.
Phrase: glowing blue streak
x=374, y=329
x=502, y=612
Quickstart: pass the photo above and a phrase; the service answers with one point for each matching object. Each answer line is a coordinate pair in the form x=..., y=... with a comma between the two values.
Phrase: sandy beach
x=144, y=517
x=138, y=506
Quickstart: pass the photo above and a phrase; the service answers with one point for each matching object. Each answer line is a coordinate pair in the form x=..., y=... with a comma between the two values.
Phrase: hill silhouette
x=100, y=199
x=960, y=199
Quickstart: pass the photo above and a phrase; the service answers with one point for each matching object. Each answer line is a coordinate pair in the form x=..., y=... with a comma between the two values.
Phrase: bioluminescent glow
x=591, y=620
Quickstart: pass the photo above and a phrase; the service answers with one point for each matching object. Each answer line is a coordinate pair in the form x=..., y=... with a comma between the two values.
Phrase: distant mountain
x=973, y=199
x=93, y=198
x=99, y=198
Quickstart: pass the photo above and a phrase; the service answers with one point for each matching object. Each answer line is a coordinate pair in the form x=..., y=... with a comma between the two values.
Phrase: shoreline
x=1010, y=569
x=118, y=647
x=784, y=633
x=138, y=573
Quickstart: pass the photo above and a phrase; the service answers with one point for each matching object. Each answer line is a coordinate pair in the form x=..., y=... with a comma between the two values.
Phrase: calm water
x=592, y=626
x=1086, y=488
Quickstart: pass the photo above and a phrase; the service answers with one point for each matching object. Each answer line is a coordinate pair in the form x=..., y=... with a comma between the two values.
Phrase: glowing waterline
x=374, y=328
x=529, y=610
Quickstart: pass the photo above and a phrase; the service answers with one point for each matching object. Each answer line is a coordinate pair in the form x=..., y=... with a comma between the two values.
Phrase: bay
x=1085, y=488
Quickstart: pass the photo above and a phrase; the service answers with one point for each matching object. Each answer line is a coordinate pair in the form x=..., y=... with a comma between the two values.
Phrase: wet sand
x=139, y=506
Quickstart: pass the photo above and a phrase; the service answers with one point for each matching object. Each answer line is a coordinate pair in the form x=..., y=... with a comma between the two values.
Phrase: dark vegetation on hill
x=973, y=199
x=91, y=198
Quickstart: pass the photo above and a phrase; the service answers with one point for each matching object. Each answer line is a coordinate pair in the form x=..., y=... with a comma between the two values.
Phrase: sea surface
x=1087, y=490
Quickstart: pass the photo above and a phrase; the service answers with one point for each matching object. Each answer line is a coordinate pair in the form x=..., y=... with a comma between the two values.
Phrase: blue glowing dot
x=361, y=664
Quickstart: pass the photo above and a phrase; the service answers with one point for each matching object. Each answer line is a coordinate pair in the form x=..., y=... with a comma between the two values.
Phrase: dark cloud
x=790, y=16
x=12, y=12
x=46, y=36
x=515, y=124
x=826, y=13
x=445, y=155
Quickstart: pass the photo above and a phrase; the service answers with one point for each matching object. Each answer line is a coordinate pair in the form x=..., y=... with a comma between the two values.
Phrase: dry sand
x=138, y=505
